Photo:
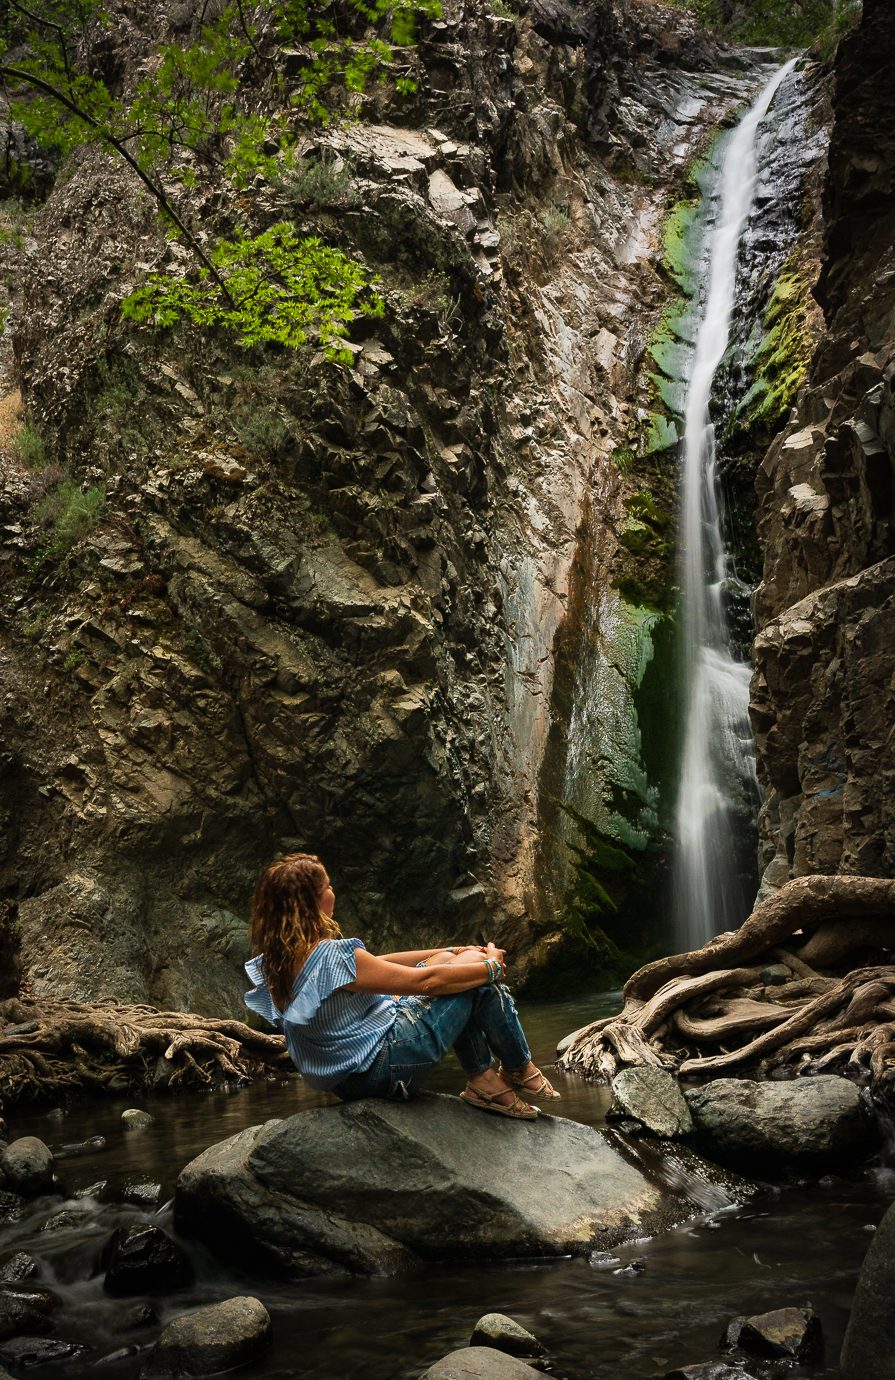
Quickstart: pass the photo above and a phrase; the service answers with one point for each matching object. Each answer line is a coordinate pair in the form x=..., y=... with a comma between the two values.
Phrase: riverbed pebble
x=478, y=1363
x=505, y=1334
x=219, y=1337
x=27, y=1166
x=135, y=1120
x=143, y=1259
x=793, y=1333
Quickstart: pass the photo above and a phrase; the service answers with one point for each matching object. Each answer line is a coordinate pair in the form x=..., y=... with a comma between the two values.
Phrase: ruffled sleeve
x=331, y=965
x=258, y=998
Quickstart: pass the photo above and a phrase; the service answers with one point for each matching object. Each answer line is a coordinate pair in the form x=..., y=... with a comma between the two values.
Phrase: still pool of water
x=802, y=1244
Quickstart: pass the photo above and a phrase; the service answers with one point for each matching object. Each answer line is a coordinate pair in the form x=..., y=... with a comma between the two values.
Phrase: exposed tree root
x=707, y=1012
x=49, y=1048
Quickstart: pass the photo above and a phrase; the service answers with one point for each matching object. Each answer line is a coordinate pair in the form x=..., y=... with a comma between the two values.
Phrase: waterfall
x=718, y=758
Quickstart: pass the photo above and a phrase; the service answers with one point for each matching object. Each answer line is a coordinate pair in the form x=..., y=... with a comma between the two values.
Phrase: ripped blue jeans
x=478, y=1024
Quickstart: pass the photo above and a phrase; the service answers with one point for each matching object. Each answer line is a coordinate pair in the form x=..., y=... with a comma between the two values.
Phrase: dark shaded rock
x=867, y=1349
x=25, y=1353
x=18, y=1316
x=503, y=1333
x=653, y=1098
x=81, y=1147
x=27, y=1166
x=793, y=1333
x=709, y=1370
x=478, y=1363
x=350, y=1187
x=220, y=1337
x=803, y=1119
x=19, y=1267
x=143, y=1315
x=144, y=1260
x=143, y=1195
x=34, y=1295
x=11, y=1206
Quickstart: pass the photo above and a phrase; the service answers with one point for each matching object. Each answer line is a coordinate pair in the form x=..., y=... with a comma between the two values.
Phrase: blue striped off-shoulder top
x=329, y=1032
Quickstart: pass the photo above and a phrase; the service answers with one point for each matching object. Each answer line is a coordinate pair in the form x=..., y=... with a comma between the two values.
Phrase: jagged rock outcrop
x=310, y=606
x=822, y=697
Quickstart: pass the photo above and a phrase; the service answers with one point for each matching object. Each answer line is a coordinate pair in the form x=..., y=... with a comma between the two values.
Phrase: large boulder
x=208, y=1340
x=867, y=1349
x=373, y=1186
x=804, y=1119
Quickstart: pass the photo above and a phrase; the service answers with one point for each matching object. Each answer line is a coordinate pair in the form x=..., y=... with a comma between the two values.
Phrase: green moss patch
x=782, y=358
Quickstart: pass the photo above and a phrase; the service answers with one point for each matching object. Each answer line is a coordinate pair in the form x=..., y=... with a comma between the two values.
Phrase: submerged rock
x=478, y=1363
x=219, y=1337
x=27, y=1166
x=351, y=1188
x=867, y=1349
x=505, y=1334
x=18, y=1267
x=17, y=1315
x=653, y=1098
x=25, y=1353
x=807, y=1119
x=791, y=1333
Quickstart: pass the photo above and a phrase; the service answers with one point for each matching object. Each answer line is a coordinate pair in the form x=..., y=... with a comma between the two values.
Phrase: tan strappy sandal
x=487, y=1102
x=543, y=1089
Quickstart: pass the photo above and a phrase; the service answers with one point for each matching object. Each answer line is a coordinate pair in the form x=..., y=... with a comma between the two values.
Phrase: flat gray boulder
x=654, y=1099
x=372, y=1187
x=479, y=1363
x=209, y=1340
x=867, y=1349
x=800, y=1119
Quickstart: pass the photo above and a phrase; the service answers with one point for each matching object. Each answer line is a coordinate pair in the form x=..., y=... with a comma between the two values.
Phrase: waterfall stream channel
x=649, y=1306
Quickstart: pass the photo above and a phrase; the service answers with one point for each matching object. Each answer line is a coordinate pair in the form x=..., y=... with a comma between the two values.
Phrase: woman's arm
x=396, y=980
x=412, y=957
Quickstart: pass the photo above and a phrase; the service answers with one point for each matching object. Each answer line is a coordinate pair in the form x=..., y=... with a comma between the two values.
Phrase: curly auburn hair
x=288, y=919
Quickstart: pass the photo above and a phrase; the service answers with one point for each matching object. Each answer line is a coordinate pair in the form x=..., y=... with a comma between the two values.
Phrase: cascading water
x=718, y=758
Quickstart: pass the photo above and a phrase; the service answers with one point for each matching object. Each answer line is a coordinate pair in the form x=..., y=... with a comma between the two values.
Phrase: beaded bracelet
x=493, y=970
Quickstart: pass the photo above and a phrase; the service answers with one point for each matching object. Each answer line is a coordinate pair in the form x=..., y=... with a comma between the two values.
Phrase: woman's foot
x=492, y=1092
x=532, y=1083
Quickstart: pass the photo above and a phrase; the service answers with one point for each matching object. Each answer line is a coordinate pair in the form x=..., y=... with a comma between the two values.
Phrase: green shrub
x=30, y=446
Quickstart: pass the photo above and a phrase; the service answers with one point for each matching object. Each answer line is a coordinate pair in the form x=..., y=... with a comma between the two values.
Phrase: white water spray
x=718, y=756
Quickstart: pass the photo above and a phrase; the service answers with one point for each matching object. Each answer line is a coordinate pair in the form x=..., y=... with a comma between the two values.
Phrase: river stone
x=18, y=1315
x=19, y=1267
x=23, y=1353
x=803, y=1119
x=793, y=1333
x=372, y=1186
x=12, y=1205
x=867, y=1349
x=505, y=1334
x=653, y=1098
x=219, y=1337
x=709, y=1370
x=27, y=1166
x=478, y=1363
x=142, y=1259
x=135, y=1120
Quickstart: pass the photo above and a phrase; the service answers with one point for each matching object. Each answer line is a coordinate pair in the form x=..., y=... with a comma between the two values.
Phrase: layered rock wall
x=822, y=693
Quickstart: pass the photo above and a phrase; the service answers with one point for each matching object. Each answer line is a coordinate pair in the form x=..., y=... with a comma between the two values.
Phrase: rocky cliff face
x=822, y=696
x=255, y=601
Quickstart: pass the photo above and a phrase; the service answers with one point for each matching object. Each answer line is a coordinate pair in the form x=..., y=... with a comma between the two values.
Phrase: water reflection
x=602, y=1321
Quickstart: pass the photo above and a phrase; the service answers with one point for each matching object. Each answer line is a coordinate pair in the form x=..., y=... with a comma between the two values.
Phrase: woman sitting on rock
x=361, y=1026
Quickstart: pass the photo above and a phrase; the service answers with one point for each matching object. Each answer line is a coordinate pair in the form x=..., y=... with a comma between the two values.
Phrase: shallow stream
x=802, y=1244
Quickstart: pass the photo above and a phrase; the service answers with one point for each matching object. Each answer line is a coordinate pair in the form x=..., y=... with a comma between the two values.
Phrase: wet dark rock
x=34, y=1295
x=867, y=1349
x=349, y=1188
x=27, y=1166
x=505, y=1334
x=17, y=1316
x=12, y=1205
x=135, y=1120
x=132, y=1319
x=81, y=1147
x=144, y=1260
x=810, y=1119
x=709, y=1370
x=219, y=1337
x=18, y=1267
x=478, y=1363
x=145, y=1195
x=793, y=1333
x=653, y=1098
x=26, y=1353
